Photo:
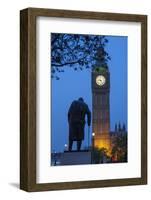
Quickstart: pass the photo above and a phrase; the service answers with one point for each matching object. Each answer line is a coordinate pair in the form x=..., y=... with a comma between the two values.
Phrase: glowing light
x=93, y=134
x=65, y=145
x=103, y=142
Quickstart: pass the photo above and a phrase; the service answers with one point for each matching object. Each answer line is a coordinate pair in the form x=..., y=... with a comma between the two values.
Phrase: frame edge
x=27, y=59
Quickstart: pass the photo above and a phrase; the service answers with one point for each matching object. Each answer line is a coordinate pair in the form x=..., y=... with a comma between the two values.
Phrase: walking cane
x=88, y=137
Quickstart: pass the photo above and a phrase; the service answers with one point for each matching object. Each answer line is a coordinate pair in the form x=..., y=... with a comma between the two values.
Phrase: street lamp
x=93, y=136
x=92, y=151
x=65, y=147
x=55, y=158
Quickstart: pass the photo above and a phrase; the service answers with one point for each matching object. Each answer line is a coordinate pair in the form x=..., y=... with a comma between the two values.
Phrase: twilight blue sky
x=75, y=84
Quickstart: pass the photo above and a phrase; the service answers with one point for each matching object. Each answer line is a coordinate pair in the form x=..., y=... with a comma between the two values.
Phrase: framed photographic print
x=83, y=99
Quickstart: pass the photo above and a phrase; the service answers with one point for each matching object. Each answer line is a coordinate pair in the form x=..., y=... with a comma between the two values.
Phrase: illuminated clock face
x=100, y=80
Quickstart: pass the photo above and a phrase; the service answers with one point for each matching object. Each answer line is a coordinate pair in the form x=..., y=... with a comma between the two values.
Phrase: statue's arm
x=69, y=111
x=69, y=114
x=88, y=112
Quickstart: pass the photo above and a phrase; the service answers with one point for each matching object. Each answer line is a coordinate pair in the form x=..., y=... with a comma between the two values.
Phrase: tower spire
x=119, y=127
x=116, y=127
x=124, y=127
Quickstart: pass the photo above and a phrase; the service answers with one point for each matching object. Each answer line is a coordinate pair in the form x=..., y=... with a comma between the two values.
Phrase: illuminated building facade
x=101, y=108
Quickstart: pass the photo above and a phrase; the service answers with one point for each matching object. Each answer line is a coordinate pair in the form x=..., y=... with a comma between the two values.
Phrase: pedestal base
x=75, y=158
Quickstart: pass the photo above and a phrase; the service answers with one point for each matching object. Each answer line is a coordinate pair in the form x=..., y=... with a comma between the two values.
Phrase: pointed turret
x=124, y=127
x=119, y=127
x=116, y=127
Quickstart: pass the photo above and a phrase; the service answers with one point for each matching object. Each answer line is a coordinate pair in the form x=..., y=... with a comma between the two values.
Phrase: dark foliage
x=119, y=149
x=99, y=155
x=77, y=51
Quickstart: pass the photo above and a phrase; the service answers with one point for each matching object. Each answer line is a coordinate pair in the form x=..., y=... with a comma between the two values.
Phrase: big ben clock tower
x=101, y=107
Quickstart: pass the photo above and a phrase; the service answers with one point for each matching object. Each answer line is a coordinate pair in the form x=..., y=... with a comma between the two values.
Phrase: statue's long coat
x=76, y=118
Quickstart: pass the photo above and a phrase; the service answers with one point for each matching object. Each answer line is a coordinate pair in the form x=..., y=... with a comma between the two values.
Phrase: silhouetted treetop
x=77, y=51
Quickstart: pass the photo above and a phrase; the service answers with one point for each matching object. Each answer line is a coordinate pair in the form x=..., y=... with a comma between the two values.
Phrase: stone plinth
x=75, y=158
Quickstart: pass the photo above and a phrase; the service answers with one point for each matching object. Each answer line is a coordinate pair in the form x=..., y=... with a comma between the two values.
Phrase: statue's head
x=81, y=99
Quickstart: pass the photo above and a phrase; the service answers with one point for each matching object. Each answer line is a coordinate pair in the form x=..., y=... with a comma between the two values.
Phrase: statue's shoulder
x=74, y=102
x=84, y=105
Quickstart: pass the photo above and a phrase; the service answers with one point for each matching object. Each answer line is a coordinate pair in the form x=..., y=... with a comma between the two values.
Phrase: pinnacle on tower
x=116, y=127
x=124, y=127
x=119, y=127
